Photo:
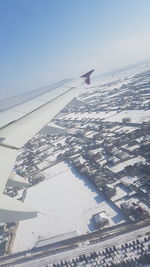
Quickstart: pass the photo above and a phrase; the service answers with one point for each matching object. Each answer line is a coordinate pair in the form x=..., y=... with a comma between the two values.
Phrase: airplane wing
x=19, y=124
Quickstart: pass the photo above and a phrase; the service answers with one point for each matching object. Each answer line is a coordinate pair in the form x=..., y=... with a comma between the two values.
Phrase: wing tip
x=87, y=76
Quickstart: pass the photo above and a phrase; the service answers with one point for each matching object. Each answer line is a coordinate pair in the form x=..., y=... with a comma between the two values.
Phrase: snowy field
x=136, y=116
x=67, y=203
x=92, y=115
x=119, y=167
x=124, y=129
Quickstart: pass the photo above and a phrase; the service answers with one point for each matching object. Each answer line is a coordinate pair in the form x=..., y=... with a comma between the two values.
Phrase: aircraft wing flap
x=20, y=131
x=7, y=161
x=22, y=109
x=12, y=210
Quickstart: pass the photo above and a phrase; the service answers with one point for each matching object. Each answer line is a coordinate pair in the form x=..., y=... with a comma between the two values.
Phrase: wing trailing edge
x=12, y=210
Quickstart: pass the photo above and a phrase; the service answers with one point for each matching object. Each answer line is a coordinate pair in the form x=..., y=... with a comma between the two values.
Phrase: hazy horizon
x=43, y=42
x=55, y=83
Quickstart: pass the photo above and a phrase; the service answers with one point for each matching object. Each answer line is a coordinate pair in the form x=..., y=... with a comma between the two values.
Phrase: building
x=100, y=219
x=126, y=208
x=109, y=190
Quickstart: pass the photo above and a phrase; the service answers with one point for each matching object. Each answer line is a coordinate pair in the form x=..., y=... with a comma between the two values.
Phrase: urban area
x=89, y=179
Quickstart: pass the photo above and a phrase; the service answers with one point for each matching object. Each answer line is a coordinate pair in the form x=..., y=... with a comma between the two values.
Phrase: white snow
x=126, y=129
x=136, y=116
x=146, y=101
x=120, y=193
x=67, y=203
x=122, y=165
x=91, y=115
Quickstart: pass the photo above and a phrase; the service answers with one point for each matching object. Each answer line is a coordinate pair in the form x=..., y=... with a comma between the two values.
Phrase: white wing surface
x=18, y=125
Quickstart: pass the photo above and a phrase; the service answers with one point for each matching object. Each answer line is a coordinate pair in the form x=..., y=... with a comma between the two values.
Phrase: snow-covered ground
x=119, y=167
x=121, y=192
x=125, y=129
x=91, y=115
x=67, y=203
x=136, y=116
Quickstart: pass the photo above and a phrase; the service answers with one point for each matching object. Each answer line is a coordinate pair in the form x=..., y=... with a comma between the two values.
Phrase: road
x=49, y=257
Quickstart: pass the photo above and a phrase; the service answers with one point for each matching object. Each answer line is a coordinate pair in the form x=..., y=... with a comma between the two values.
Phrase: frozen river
x=66, y=203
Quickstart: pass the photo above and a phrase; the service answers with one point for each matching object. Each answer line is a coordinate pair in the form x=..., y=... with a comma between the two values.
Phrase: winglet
x=87, y=76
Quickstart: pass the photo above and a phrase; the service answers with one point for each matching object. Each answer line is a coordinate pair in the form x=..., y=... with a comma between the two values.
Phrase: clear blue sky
x=43, y=41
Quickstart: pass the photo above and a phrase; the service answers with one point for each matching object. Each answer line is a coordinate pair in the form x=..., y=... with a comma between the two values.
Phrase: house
x=100, y=219
x=109, y=190
x=126, y=208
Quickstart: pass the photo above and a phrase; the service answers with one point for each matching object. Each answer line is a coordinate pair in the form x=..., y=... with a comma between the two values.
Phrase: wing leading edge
x=14, y=135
